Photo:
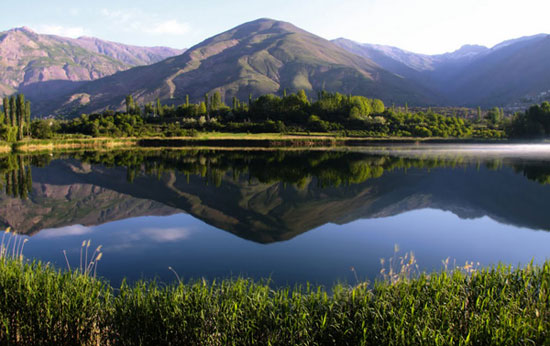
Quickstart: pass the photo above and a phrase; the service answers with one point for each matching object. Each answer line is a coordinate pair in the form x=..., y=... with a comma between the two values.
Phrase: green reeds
x=12, y=245
x=87, y=265
x=489, y=306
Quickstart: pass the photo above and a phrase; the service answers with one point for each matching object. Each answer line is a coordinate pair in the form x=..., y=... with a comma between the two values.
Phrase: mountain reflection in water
x=266, y=196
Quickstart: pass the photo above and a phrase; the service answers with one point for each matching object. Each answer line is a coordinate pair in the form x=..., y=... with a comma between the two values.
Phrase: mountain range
x=472, y=75
x=45, y=65
x=73, y=76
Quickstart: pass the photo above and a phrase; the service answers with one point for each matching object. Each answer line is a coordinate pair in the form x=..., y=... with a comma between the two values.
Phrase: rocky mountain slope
x=46, y=65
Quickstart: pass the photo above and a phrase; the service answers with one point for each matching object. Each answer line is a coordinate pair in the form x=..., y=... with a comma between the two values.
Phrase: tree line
x=349, y=115
x=533, y=123
x=15, y=118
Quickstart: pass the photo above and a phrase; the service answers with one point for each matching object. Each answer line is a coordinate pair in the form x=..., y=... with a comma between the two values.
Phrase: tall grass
x=497, y=305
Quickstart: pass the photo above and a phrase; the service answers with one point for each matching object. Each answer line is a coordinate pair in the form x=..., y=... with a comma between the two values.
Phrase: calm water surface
x=293, y=216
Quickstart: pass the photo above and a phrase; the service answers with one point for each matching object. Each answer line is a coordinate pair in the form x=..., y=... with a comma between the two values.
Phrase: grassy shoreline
x=41, y=305
x=266, y=140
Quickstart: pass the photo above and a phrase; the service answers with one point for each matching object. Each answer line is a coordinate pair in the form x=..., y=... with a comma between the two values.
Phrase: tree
x=479, y=117
x=202, y=109
x=7, y=112
x=28, y=116
x=187, y=100
x=377, y=106
x=13, y=117
x=494, y=116
x=130, y=105
x=149, y=109
x=303, y=97
x=216, y=101
x=41, y=129
x=206, y=103
x=159, y=110
x=235, y=103
x=20, y=114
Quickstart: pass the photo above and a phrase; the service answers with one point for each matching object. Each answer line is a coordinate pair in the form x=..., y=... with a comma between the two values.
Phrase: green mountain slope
x=259, y=57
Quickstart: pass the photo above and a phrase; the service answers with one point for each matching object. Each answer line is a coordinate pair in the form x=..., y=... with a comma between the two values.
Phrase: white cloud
x=163, y=235
x=135, y=20
x=59, y=30
x=122, y=17
x=170, y=27
x=68, y=231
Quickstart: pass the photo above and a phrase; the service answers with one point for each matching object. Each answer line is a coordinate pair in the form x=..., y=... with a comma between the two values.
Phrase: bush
x=41, y=129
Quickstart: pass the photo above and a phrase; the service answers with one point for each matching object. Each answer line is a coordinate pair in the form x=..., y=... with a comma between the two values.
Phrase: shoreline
x=229, y=141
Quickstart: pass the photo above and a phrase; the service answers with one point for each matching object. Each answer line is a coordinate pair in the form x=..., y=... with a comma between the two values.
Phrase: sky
x=421, y=26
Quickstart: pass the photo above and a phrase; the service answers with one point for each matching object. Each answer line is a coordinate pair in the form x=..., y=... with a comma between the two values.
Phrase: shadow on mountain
x=44, y=94
x=266, y=196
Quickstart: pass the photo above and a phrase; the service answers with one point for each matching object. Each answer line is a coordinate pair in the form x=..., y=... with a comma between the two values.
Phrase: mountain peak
x=24, y=29
x=263, y=24
x=467, y=51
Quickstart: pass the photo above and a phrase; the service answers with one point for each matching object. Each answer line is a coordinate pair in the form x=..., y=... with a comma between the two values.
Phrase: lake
x=293, y=216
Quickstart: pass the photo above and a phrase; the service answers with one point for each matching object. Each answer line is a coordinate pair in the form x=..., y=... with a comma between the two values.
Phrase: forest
x=330, y=113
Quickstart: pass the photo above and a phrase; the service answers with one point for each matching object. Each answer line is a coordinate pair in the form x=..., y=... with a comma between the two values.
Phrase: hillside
x=473, y=75
x=127, y=54
x=43, y=66
x=510, y=72
x=259, y=57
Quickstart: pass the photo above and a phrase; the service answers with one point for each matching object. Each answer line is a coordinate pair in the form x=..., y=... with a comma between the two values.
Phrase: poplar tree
x=28, y=117
x=20, y=113
x=202, y=109
x=159, y=110
x=12, y=111
x=187, y=100
x=303, y=96
x=130, y=105
x=206, y=103
x=7, y=113
x=234, y=102
x=216, y=101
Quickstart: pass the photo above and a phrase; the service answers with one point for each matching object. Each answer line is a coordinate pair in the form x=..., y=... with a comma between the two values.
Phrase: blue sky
x=423, y=26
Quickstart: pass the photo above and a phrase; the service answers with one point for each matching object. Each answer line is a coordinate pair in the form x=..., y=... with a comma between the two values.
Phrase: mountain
x=509, y=72
x=127, y=54
x=45, y=65
x=393, y=59
x=472, y=75
x=259, y=57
